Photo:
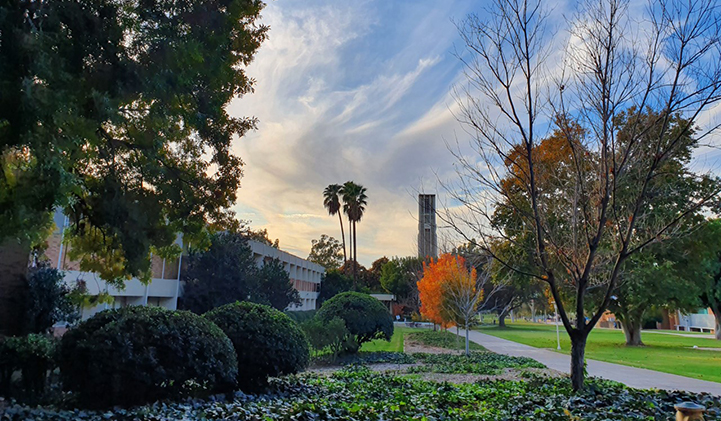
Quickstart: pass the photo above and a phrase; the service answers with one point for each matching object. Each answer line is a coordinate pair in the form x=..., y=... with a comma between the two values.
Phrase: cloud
x=355, y=90
x=338, y=83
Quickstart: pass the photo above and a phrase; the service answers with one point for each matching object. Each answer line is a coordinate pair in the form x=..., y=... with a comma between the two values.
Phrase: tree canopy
x=116, y=112
x=327, y=252
x=227, y=272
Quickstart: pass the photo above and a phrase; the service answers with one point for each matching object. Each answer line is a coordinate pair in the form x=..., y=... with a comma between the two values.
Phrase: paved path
x=635, y=377
x=685, y=335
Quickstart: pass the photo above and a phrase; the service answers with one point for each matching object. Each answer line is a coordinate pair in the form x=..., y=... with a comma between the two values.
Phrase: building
x=164, y=288
x=162, y=291
x=305, y=275
x=702, y=320
x=427, y=237
x=386, y=299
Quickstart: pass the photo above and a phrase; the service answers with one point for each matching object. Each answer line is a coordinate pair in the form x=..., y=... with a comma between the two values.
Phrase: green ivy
x=358, y=394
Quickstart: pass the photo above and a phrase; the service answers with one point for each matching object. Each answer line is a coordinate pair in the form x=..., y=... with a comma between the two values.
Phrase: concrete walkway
x=635, y=377
x=685, y=335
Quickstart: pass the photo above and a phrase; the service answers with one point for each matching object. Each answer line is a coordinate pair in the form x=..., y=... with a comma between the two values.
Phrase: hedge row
x=138, y=354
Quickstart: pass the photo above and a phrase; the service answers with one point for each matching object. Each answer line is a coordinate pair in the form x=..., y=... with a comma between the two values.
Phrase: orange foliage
x=436, y=275
x=549, y=297
x=559, y=148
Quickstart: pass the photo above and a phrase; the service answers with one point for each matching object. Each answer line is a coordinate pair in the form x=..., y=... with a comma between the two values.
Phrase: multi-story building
x=165, y=287
x=305, y=275
x=161, y=291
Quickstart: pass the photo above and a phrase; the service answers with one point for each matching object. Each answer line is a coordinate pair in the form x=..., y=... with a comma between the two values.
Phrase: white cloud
x=332, y=97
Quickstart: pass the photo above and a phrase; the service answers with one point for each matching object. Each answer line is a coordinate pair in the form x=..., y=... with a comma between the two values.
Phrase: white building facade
x=305, y=276
x=161, y=291
x=165, y=287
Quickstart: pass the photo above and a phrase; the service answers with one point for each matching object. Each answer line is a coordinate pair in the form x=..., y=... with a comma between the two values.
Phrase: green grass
x=395, y=345
x=443, y=339
x=666, y=353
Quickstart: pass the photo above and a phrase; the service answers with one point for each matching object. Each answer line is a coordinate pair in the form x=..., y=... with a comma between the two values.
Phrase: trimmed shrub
x=364, y=316
x=33, y=355
x=139, y=354
x=267, y=342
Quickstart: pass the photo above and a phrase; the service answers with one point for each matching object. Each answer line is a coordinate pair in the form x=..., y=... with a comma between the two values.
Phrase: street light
x=555, y=319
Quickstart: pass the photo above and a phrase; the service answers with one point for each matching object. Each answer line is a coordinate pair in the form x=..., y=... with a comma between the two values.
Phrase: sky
x=351, y=90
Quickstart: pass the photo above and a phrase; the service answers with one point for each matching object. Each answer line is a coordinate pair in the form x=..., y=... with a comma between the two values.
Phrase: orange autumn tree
x=430, y=288
x=462, y=293
x=442, y=278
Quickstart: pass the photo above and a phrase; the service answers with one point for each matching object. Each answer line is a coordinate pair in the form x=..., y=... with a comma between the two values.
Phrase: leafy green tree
x=48, y=301
x=224, y=273
x=655, y=278
x=371, y=279
x=116, y=112
x=703, y=263
x=260, y=236
x=334, y=282
x=400, y=276
x=327, y=252
x=331, y=201
x=274, y=286
x=504, y=290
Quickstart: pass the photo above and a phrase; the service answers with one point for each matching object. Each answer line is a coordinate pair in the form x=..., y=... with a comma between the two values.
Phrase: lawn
x=667, y=353
x=395, y=345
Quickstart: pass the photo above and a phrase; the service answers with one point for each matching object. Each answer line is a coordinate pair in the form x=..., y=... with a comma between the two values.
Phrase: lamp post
x=555, y=320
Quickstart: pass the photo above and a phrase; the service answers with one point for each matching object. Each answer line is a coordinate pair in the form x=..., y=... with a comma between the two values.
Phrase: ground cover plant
x=488, y=363
x=364, y=358
x=663, y=352
x=442, y=339
x=359, y=394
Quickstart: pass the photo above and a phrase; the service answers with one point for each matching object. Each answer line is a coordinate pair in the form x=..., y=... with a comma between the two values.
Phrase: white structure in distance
x=304, y=275
x=165, y=287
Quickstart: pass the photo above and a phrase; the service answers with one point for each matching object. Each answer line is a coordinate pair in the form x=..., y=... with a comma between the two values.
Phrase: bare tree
x=578, y=214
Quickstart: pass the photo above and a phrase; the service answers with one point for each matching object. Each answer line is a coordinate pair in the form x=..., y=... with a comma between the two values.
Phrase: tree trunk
x=350, y=239
x=14, y=258
x=578, y=351
x=533, y=312
x=342, y=235
x=502, y=319
x=355, y=254
x=467, y=339
x=632, y=330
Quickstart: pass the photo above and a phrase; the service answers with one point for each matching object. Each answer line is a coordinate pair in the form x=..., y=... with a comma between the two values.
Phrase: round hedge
x=365, y=317
x=267, y=342
x=140, y=354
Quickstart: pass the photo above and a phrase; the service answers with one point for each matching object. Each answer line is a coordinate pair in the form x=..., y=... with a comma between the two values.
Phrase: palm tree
x=354, y=203
x=331, y=201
